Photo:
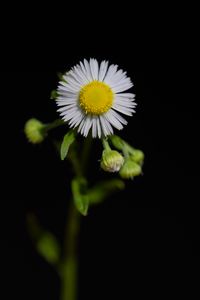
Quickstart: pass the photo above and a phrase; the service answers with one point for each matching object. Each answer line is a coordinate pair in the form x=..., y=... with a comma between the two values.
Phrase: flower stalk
x=69, y=266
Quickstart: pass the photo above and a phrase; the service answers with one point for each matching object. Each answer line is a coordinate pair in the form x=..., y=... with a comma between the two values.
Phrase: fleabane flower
x=91, y=97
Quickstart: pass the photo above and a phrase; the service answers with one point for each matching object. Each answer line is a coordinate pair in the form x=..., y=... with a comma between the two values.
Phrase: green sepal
x=60, y=76
x=117, y=142
x=54, y=95
x=68, y=139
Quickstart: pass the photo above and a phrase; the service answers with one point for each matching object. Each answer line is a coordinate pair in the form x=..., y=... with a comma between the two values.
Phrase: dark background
x=144, y=241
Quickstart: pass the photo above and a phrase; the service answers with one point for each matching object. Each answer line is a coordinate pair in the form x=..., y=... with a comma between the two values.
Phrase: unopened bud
x=33, y=131
x=112, y=161
x=137, y=156
x=130, y=169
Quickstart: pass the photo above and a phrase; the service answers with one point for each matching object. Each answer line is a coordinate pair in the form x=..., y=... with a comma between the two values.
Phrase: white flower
x=91, y=98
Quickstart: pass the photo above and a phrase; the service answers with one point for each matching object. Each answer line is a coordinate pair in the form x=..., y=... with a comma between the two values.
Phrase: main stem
x=69, y=271
x=70, y=263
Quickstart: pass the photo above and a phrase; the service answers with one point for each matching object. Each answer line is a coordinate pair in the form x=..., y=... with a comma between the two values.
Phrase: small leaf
x=47, y=247
x=104, y=189
x=45, y=242
x=68, y=139
x=80, y=199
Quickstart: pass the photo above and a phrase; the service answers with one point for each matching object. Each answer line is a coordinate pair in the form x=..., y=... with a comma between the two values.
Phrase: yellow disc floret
x=96, y=98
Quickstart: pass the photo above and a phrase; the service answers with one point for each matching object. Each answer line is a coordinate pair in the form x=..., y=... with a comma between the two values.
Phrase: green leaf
x=104, y=189
x=45, y=242
x=81, y=200
x=68, y=139
x=47, y=247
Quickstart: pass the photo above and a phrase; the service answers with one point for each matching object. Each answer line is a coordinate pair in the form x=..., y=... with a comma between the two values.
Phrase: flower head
x=91, y=97
x=112, y=161
x=33, y=130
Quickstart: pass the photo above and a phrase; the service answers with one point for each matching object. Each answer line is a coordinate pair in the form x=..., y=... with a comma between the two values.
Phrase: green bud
x=111, y=161
x=130, y=169
x=33, y=130
x=137, y=156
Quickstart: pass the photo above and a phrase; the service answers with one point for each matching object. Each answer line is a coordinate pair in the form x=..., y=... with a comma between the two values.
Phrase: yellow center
x=96, y=98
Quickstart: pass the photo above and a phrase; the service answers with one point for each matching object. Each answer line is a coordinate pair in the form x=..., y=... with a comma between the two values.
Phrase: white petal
x=67, y=88
x=119, y=117
x=112, y=70
x=80, y=74
x=119, y=76
x=94, y=127
x=88, y=71
x=84, y=72
x=69, y=111
x=67, y=94
x=126, y=95
x=76, y=120
x=66, y=97
x=113, y=120
x=86, y=127
x=66, y=102
x=66, y=107
x=122, y=87
x=102, y=70
x=73, y=74
x=98, y=128
x=106, y=127
x=72, y=78
x=124, y=110
x=94, y=68
x=123, y=103
x=69, y=84
x=82, y=123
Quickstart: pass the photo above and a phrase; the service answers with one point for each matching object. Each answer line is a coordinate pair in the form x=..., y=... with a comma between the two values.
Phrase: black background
x=144, y=241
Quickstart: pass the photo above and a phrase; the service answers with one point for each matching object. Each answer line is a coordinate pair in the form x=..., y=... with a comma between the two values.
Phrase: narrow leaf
x=81, y=200
x=47, y=247
x=68, y=139
x=45, y=242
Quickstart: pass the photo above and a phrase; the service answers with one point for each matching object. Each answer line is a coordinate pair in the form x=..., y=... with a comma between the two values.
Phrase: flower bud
x=130, y=169
x=33, y=131
x=137, y=156
x=111, y=161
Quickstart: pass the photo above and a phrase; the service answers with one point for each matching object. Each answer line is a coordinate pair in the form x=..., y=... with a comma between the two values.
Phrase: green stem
x=53, y=125
x=106, y=144
x=69, y=271
x=70, y=263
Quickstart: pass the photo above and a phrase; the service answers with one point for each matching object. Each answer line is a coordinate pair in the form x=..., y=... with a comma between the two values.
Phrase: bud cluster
x=128, y=162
